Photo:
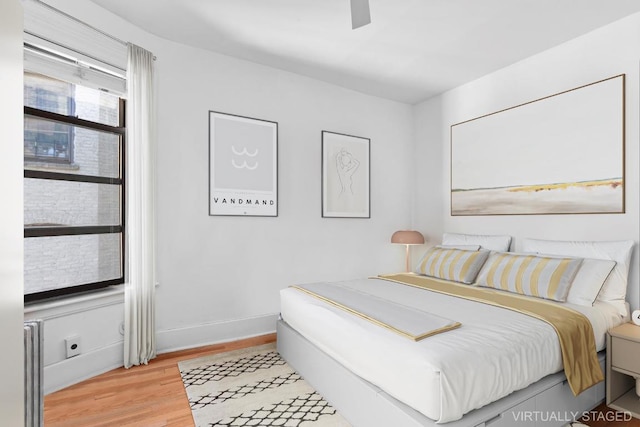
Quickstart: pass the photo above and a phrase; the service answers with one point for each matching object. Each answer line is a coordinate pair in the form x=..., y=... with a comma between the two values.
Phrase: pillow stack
x=577, y=272
x=608, y=286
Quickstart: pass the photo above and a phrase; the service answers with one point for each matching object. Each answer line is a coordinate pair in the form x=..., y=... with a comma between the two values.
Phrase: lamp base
x=407, y=260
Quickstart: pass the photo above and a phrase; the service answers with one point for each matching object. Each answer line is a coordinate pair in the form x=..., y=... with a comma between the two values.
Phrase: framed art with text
x=345, y=176
x=243, y=166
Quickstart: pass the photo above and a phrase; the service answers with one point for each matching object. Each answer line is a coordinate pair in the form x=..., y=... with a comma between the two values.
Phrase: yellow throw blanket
x=579, y=356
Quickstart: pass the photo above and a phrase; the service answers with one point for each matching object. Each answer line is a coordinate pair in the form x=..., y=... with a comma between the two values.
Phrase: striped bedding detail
x=531, y=275
x=457, y=265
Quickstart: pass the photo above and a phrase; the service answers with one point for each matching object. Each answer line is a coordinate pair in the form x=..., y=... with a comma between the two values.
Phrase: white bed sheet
x=495, y=352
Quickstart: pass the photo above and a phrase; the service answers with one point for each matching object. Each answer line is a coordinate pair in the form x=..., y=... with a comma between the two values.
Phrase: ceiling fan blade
x=360, y=15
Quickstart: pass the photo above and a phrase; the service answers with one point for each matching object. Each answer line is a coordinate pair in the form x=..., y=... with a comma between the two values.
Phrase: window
x=47, y=141
x=74, y=140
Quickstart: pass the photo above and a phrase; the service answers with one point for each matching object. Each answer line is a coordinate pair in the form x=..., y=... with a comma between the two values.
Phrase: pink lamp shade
x=407, y=237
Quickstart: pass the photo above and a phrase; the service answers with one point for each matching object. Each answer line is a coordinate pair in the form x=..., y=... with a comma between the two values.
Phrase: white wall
x=219, y=269
x=11, y=284
x=603, y=53
x=429, y=171
x=220, y=276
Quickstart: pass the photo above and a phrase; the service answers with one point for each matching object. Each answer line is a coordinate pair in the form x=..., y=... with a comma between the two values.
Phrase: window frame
x=71, y=108
x=48, y=231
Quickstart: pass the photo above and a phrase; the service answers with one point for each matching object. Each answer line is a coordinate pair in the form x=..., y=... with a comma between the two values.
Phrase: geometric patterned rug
x=253, y=387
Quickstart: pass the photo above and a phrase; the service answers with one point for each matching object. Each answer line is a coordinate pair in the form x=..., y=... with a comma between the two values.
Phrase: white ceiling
x=412, y=50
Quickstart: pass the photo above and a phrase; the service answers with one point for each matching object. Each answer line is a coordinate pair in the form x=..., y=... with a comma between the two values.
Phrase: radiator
x=33, y=373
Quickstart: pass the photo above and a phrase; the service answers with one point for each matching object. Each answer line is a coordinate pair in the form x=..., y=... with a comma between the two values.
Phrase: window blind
x=63, y=47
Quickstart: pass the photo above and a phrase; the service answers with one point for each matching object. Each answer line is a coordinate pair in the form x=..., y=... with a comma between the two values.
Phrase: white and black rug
x=253, y=387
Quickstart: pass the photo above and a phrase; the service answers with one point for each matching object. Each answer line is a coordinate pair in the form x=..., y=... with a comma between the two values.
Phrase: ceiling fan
x=360, y=15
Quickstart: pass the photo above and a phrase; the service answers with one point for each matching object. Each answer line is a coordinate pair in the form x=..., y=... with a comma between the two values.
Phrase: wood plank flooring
x=144, y=396
x=602, y=416
x=153, y=395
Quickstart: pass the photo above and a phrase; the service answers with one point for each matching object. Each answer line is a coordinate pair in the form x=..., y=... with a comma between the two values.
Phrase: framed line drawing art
x=561, y=154
x=345, y=176
x=243, y=166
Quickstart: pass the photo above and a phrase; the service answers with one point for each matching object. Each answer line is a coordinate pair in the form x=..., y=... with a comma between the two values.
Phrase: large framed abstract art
x=243, y=166
x=561, y=154
x=345, y=176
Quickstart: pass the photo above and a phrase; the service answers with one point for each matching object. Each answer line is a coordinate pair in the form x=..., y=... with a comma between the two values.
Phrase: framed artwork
x=345, y=176
x=561, y=154
x=243, y=166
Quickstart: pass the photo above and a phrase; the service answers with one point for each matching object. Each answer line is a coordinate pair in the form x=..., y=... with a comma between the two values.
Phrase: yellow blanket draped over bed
x=579, y=356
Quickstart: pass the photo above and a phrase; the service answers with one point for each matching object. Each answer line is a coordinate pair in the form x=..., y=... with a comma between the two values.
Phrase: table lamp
x=407, y=238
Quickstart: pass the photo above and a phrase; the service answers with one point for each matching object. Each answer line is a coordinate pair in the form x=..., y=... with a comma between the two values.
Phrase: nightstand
x=623, y=361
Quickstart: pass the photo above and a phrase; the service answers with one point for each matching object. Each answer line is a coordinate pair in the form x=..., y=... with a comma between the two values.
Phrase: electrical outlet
x=73, y=346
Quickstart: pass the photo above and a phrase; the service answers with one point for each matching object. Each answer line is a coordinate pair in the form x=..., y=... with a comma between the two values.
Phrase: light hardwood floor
x=144, y=396
x=153, y=395
x=602, y=416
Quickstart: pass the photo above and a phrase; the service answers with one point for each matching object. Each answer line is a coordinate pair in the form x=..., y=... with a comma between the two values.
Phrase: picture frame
x=346, y=176
x=560, y=154
x=243, y=166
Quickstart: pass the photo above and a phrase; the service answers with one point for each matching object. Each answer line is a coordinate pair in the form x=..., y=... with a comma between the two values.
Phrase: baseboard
x=82, y=367
x=87, y=365
x=214, y=333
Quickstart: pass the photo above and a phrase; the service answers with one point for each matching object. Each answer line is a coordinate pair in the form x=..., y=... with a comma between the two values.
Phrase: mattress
x=495, y=352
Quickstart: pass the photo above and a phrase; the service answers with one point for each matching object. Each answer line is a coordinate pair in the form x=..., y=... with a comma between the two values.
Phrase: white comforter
x=495, y=351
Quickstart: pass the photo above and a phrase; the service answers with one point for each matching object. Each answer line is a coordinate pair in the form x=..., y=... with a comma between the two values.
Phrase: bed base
x=546, y=403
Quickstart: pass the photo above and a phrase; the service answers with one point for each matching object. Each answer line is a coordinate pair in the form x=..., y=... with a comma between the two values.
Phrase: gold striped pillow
x=458, y=265
x=536, y=276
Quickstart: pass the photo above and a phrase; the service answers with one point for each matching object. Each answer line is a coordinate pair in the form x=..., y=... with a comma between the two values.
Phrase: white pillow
x=462, y=247
x=492, y=243
x=615, y=287
x=589, y=280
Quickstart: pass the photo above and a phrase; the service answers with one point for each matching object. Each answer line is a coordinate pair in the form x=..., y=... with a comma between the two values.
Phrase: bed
x=499, y=368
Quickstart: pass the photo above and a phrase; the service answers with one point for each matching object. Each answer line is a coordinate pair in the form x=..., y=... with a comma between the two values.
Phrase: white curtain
x=139, y=306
